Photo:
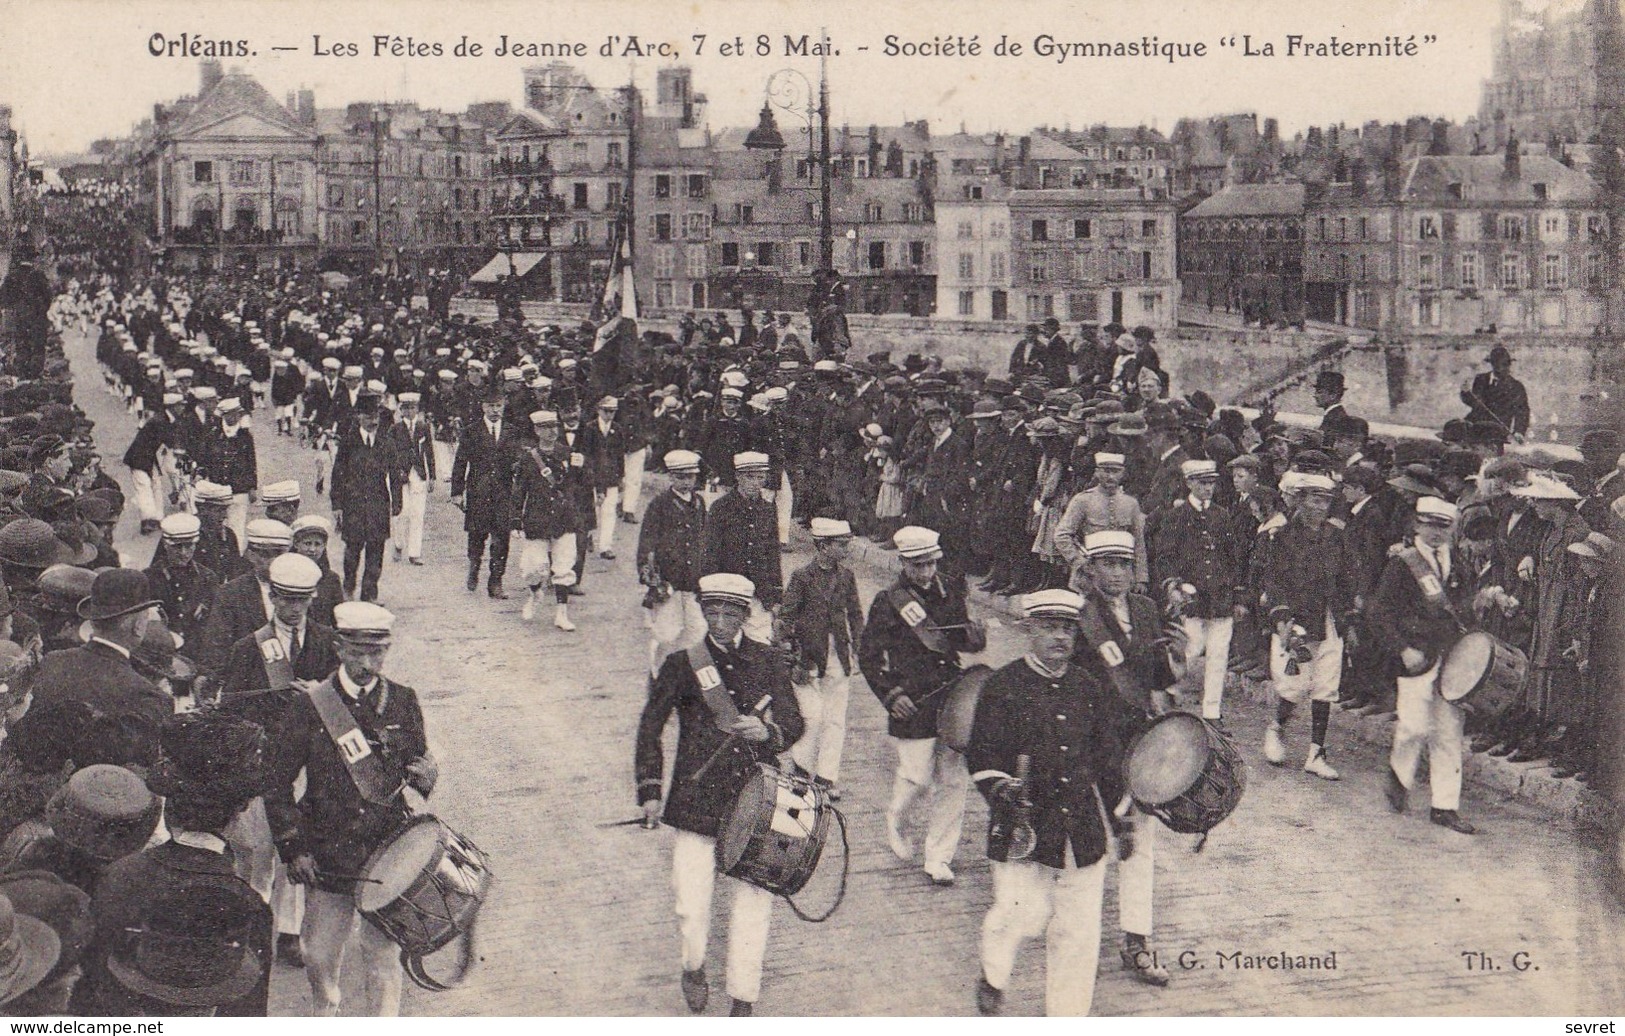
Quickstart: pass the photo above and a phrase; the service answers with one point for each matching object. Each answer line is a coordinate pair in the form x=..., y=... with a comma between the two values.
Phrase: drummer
x=1413, y=614
x=740, y=727
x=359, y=738
x=1120, y=647
x=910, y=650
x=1043, y=707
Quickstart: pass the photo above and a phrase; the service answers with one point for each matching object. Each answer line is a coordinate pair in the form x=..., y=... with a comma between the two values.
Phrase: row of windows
x=696, y=226
x=1085, y=307
x=1083, y=229
x=522, y=157
x=1089, y=265
x=1238, y=230
x=1468, y=272
x=342, y=230
x=876, y=255
x=249, y=171
x=966, y=230
x=1467, y=226
x=997, y=266
x=694, y=185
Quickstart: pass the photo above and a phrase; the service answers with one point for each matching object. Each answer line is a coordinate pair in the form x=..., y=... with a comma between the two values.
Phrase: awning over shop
x=523, y=263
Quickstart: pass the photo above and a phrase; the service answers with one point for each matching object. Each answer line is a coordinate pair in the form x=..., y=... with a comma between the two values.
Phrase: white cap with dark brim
x=727, y=588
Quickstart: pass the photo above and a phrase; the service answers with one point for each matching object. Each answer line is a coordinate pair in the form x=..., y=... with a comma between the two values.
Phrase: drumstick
x=347, y=877
x=761, y=707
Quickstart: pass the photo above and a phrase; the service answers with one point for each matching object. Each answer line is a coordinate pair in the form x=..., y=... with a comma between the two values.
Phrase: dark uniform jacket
x=333, y=822
x=541, y=497
x=1306, y=573
x=366, y=486
x=1200, y=548
x=239, y=609
x=413, y=448
x=742, y=536
x=605, y=452
x=482, y=473
x=1145, y=661
x=1069, y=727
x=245, y=687
x=1338, y=423
x=748, y=671
x=821, y=605
x=143, y=452
x=672, y=541
x=220, y=554
x=187, y=595
x=1400, y=617
x=231, y=461
x=895, y=661
x=722, y=438
x=125, y=897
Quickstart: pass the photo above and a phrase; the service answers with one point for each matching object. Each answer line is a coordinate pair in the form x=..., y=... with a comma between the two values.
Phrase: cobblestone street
x=534, y=731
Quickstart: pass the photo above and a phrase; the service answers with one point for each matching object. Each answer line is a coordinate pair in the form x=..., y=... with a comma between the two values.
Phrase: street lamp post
x=790, y=90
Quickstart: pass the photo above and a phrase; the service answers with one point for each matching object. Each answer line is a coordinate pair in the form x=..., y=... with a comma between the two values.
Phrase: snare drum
x=1483, y=674
x=776, y=833
x=1186, y=772
x=958, y=713
x=423, y=889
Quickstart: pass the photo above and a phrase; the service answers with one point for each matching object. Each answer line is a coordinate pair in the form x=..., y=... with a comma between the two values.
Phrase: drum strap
x=1102, y=641
x=716, y=694
x=278, y=666
x=913, y=612
x=365, y=768
x=1438, y=602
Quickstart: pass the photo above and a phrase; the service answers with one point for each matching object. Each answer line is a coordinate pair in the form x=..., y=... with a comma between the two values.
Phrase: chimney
x=158, y=116
x=1024, y=148
x=307, y=107
x=208, y=74
x=1512, y=170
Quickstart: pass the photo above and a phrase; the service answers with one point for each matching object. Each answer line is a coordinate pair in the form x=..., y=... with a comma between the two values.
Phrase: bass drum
x=424, y=888
x=1186, y=772
x=959, y=707
x=1483, y=674
x=776, y=834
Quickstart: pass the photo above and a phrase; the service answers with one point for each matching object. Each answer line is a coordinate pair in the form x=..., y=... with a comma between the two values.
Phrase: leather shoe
x=497, y=593
x=1138, y=958
x=1451, y=819
x=696, y=991
x=1396, y=792
x=741, y=1009
x=474, y=577
x=415, y=561
x=288, y=950
x=989, y=1001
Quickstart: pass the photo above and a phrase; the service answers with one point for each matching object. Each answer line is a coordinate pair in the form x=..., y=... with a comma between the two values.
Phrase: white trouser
x=823, y=702
x=1029, y=900
x=608, y=500
x=237, y=517
x=1425, y=718
x=257, y=863
x=1316, y=680
x=540, y=560
x=784, y=501
x=1210, y=638
x=330, y=927
x=442, y=459
x=1136, y=876
x=675, y=625
x=285, y=413
x=632, y=479
x=693, y=876
x=928, y=767
x=147, y=503
x=408, y=532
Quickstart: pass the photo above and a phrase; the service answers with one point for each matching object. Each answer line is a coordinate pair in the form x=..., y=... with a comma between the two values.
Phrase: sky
x=75, y=70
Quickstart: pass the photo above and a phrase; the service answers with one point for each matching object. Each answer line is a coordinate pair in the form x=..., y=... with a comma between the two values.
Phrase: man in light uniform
x=1414, y=614
x=414, y=452
x=546, y=518
x=820, y=620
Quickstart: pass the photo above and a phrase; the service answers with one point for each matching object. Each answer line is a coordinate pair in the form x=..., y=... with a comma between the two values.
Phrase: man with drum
x=359, y=738
x=735, y=709
x=1308, y=569
x=1414, y=614
x=1121, y=646
x=1046, y=751
x=909, y=653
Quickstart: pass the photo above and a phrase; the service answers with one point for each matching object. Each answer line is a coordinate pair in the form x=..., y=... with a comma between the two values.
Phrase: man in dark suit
x=1498, y=399
x=822, y=619
x=257, y=683
x=353, y=801
x=943, y=466
x=367, y=493
x=122, y=710
x=741, y=536
x=210, y=768
x=184, y=585
x=481, y=484
x=242, y=605
x=1414, y=616
x=1337, y=424
x=603, y=443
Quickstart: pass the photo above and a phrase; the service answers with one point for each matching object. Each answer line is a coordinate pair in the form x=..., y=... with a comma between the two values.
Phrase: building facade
x=1241, y=251
x=973, y=258
x=674, y=197
x=1559, y=68
x=1472, y=243
x=1094, y=257
x=404, y=188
